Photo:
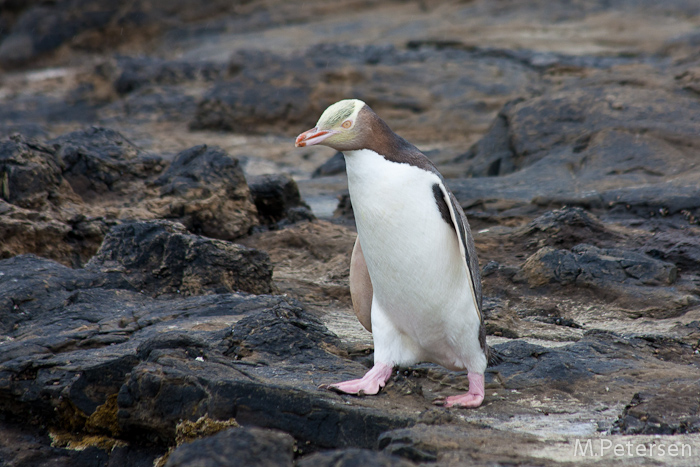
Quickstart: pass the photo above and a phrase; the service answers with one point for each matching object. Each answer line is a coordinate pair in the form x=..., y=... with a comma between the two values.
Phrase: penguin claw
x=337, y=390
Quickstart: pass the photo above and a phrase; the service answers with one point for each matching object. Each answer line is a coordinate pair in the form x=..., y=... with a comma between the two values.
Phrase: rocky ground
x=174, y=273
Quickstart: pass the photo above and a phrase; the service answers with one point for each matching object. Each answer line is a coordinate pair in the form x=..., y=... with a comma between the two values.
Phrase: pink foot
x=473, y=398
x=369, y=384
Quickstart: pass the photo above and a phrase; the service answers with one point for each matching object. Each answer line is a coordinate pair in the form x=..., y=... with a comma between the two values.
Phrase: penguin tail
x=493, y=357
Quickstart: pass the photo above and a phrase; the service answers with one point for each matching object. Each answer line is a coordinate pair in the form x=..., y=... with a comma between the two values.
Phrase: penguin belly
x=422, y=307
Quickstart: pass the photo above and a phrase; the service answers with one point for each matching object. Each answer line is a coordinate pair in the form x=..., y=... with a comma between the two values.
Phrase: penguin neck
x=365, y=167
x=375, y=181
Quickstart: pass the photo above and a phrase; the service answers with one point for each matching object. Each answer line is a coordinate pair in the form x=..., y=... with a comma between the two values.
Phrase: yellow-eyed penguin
x=414, y=276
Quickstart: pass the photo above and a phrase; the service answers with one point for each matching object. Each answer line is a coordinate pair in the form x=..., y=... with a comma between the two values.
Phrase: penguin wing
x=466, y=244
x=361, y=289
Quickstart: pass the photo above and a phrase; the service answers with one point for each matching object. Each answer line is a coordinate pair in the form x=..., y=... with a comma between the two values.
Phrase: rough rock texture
x=205, y=189
x=277, y=197
x=30, y=174
x=565, y=228
x=311, y=259
x=451, y=445
x=24, y=230
x=248, y=446
x=235, y=107
x=160, y=257
x=588, y=265
x=111, y=364
x=583, y=126
x=673, y=411
x=60, y=198
x=626, y=277
x=597, y=146
x=121, y=368
x=99, y=160
x=40, y=211
x=37, y=28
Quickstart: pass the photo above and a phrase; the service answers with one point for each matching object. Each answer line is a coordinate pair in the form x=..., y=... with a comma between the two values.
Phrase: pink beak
x=312, y=136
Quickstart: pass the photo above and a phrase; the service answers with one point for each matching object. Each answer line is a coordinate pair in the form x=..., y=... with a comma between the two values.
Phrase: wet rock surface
x=168, y=259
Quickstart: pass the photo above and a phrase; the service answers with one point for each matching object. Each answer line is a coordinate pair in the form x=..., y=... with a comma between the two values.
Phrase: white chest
x=386, y=193
x=411, y=252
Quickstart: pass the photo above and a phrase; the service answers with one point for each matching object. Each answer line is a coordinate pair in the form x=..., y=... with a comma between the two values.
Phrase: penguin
x=414, y=274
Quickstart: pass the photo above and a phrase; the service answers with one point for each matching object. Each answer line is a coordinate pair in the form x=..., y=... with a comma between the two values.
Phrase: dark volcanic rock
x=162, y=390
x=282, y=333
x=564, y=228
x=100, y=160
x=590, y=125
x=72, y=241
x=344, y=208
x=30, y=173
x=43, y=27
x=353, y=458
x=205, y=189
x=234, y=106
x=679, y=197
x=242, y=446
x=283, y=93
x=526, y=365
x=199, y=165
x=591, y=144
x=26, y=446
x=149, y=104
x=160, y=257
x=668, y=412
x=39, y=211
x=157, y=90
x=588, y=265
x=631, y=280
x=27, y=231
x=678, y=246
x=333, y=166
x=49, y=193
x=137, y=72
x=277, y=197
x=89, y=355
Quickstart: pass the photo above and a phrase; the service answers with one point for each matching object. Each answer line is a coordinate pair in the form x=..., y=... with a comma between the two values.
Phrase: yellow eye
x=346, y=124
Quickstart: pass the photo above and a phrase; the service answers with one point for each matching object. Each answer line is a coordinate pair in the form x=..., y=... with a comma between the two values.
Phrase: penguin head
x=340, y=127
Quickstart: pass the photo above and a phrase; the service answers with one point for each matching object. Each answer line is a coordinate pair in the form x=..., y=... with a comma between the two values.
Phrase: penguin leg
x=391, y=348
x=474, y=361
x=472, y=399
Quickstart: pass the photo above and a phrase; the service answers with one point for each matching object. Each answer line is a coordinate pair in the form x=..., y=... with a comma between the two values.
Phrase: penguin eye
x=346, y=124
